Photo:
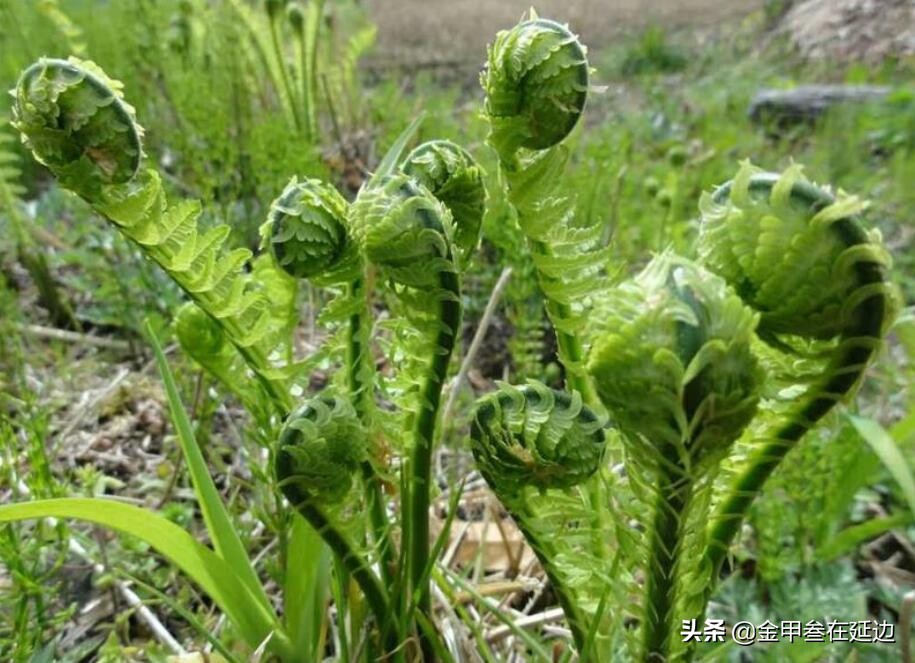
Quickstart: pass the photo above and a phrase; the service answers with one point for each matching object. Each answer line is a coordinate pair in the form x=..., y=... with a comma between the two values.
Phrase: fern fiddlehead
x=76, y=122
x=407, y=234
x=802, y=258
x=306, y=231
x=535, y=438
x=454, y=177
x=536, y=83
x=672, y=362
x=321, y=447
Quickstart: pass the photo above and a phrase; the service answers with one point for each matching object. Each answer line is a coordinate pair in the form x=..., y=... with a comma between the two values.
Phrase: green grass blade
x=851, y=537
x=889, y=454
x=439, y=650
x=219, y=525
x=209, y=571
x=392, y=156
x=306, y=589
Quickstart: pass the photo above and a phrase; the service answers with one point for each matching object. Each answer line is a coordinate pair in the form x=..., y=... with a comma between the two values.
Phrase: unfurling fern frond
x=76, y=122
x=405, y=231
x=454, y=177
x=673, y=364
x=321, y=448
x=534, y=437
x=536, y=85
x=802, y=258
x=794, y=252
x=407, y=234
x=306, y=233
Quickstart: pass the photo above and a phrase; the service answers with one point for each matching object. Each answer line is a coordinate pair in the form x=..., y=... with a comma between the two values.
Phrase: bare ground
x=412, y=31
x=853, y=30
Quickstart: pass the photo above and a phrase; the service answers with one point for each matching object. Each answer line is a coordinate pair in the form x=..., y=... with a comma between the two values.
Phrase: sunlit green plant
x=240, y=321
x=688, y=358
x=670, y=375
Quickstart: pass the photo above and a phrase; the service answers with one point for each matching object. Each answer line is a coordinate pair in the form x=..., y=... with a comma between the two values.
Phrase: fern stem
x=303, y=86
x=423, y=437
x=284, y=73
x=547, y=554
x=571, y=352
x=356, y=566
x=663, y=562
x=357, y=357
x=310, y=53
x=856, y=348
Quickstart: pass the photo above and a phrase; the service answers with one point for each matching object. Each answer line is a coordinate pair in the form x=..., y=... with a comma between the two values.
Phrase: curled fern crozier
x=531, y=439
x=793, y=251
x=452, y=175
x=306, y=232
x=199, y=335
x=76, y=122
x=535, y=436
x=404, y=230
x=673, y=364
x=320, y=448
x=801, y=257
x=536, y=85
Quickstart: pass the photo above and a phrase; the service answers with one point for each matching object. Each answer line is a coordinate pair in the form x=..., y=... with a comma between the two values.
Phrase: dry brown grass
x=458, y=30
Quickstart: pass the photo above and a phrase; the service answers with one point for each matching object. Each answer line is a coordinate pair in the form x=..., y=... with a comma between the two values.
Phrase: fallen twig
x=55, y=334
x=546, y=617
x=477, y=341
x=905, y=626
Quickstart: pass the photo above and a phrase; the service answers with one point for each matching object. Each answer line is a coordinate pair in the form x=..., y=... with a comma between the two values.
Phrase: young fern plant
x=534, y=444
x=76, y=122
x=536, y=83
x=803, y=259
x=415, y=241
x=688, y=359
